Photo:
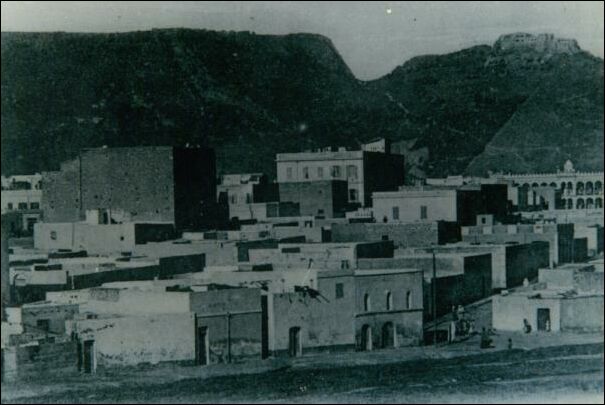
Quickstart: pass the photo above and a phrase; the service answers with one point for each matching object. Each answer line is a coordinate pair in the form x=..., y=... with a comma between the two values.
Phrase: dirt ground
x=541, y=367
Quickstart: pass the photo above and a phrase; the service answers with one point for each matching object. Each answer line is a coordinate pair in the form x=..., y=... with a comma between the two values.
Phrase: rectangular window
x=339, y=290
x=320, y=172
x=352, y=172
x=352, y=195
x=34, y=206
x=289, y=173
x=10, y=206
x=335, y=172
x=22, y=206
x=306, y=172
x=395, y=213
x=423, y=212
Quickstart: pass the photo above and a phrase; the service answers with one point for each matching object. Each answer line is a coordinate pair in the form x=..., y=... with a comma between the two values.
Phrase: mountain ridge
x=272, y=93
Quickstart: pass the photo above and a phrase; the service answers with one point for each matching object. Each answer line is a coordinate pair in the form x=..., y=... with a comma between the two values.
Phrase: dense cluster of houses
x=145, y=255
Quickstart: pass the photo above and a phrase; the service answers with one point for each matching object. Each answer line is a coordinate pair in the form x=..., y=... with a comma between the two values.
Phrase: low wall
x=36, y=362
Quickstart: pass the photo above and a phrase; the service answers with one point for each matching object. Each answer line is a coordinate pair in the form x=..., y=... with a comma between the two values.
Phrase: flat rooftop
x=377, y=272
x=324, y=155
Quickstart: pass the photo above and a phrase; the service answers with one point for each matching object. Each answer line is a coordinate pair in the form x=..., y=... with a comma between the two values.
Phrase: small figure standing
x=471, y=328
x=525, y=282
x=454, y=313
x=486, y=341
x=452, y=334
x=547, y=325
x=526, y=326
x=510, y=344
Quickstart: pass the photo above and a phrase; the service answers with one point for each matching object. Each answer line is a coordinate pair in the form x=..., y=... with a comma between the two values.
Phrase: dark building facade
x=134, y=184
x=324, y=198
x=364, y=171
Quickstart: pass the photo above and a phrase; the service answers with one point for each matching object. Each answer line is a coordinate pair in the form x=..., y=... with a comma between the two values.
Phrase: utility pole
x=434, y=300
x=229, y=337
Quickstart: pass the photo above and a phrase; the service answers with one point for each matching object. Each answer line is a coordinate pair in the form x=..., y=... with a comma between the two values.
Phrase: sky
x=372, y=37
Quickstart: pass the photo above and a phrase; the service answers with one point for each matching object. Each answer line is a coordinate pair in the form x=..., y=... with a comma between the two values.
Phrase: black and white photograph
x=302, y=202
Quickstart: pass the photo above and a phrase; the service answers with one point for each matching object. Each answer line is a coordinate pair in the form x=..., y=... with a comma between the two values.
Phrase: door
x=294, y=346
x=544, y=319
x=30, y=224
x=366, y=338
x=388, y=335
x=264, y=328
x=88, y=360
x=202, y=345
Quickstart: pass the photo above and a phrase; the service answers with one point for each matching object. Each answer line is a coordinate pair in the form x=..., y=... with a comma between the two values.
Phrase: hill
x=250, y=96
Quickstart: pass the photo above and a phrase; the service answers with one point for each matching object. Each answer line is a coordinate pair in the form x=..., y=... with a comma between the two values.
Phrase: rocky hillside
x=525, y=104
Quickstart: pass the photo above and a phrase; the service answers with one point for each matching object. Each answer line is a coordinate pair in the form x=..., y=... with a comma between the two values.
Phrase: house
x=403, y=235
x=568, y=298
x=437, y=203
x=365, y=170
x=97, y=238
x=461, y=278
x=559, y=236
x=323, y=198
x=512, y=263
x=252, y=196
x=21, y=198
x=350, y=310
x=135, y=184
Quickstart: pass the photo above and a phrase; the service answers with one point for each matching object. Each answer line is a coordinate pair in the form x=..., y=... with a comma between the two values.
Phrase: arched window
x=366, y=303
x=580, y=204
x=569, y=204
x=389, y=301
x=598, y=188
x=408, y=300
x=588, y=188
x=580, y=188
x=553, y=184
x=569, y=187
x=598, y=203
x=589, y=203
x=534, y=185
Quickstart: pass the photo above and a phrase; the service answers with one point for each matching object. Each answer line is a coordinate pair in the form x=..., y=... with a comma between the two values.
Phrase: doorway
x=388, y=335
x=202, y=345
x=366, y=338
x=544, y=319
x=264, y=327
x=88, y=356
x=294, y=343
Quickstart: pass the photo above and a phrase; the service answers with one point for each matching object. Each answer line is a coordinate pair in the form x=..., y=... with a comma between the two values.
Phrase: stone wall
x=133, y=340
x=523, y=261
x=395, y=298
x=36, y=362
x=582, y=313
x=47, y=318
x=325, y=198
x=326, y=322
x=403, y=234
x=232, y=318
